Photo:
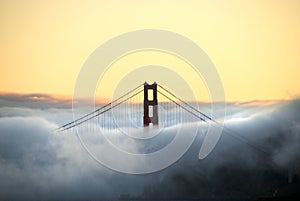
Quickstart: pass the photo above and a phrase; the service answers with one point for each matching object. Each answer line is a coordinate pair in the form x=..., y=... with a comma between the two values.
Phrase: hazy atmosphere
x=240, y=107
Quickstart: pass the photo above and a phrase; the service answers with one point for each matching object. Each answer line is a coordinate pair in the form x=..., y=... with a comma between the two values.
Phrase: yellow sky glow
x=254, y=45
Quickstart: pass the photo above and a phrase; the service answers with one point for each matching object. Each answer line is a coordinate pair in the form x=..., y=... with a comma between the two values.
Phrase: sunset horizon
x=253, y=45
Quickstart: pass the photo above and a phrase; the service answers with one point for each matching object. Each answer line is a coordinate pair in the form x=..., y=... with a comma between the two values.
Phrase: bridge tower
x=150, y=104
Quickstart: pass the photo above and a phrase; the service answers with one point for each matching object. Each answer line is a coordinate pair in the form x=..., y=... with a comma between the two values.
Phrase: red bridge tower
x=150, y=104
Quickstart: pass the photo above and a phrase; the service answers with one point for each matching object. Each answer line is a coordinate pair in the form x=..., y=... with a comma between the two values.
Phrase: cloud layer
x=37, y=164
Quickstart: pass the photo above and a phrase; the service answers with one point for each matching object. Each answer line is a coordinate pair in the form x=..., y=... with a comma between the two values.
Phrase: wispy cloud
x=34, y=100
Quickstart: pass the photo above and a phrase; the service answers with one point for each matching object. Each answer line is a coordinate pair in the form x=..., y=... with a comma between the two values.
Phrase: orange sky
x=254, y=45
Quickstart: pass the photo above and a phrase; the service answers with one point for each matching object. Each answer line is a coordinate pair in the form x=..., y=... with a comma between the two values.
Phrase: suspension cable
x=69, y=125
x=193, y=108
x=226, y=130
